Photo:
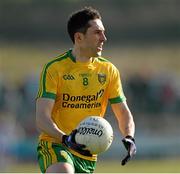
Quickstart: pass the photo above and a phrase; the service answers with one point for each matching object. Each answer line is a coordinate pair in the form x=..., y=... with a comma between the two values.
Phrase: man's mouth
x=100, y=47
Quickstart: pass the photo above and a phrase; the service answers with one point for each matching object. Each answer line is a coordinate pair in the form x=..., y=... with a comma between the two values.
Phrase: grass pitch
x=134, y=166
x=140, y=166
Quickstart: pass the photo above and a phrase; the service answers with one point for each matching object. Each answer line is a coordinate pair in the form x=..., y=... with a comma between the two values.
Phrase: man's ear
x=78, y=37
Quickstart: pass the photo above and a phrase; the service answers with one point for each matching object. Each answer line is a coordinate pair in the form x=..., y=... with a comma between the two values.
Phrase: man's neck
x=80, y=55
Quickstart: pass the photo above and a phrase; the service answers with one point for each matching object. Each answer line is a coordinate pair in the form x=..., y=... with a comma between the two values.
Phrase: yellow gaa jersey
x=80, y=89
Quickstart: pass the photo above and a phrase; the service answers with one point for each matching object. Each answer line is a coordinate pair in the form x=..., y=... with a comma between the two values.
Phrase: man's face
x=93, y=39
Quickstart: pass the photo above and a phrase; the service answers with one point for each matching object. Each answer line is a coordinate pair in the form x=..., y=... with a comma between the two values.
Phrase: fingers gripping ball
x=95, y=133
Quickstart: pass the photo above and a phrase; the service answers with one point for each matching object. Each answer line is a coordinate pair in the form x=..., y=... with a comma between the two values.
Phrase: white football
x=95, y=133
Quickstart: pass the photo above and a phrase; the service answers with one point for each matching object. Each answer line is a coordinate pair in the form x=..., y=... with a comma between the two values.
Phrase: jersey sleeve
x=48, y=83
x=116, y=94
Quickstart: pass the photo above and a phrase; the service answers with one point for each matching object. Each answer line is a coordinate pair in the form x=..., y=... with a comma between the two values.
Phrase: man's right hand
x=69, y=141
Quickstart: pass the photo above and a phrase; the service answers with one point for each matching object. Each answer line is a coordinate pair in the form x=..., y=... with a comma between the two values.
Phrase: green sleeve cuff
x=117, y=100
x=48, y=95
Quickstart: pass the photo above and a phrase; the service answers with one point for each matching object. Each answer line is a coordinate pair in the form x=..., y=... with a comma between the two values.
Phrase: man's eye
x=98, y=32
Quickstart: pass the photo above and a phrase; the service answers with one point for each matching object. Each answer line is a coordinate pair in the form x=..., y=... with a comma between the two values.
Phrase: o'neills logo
x=82, y=101
x=90, y=131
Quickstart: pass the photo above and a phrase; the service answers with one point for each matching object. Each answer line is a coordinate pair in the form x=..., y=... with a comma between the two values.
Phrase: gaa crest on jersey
x=102, y=78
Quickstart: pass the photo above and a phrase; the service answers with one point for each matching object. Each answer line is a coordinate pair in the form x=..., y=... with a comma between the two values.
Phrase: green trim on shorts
x=62, y=154
x=49, y=153
x=84, y=166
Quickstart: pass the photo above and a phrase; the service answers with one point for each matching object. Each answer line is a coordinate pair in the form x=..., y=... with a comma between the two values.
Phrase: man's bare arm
x=44, y=121
x=125, y=118
x=127, y=128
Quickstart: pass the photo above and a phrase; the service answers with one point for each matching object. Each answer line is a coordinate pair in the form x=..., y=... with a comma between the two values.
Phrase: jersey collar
x=71, y=55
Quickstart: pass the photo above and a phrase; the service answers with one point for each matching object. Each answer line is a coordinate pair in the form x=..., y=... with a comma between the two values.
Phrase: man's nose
x=104, y=39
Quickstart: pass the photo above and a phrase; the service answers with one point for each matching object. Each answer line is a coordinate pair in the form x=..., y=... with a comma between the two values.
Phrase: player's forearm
x=126, y=124
x=46, y=125
x=125, y=119
x=44, y=121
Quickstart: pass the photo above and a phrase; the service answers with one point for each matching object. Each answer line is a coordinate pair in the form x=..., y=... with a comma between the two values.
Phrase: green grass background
x=18, y=60
x=110, y=166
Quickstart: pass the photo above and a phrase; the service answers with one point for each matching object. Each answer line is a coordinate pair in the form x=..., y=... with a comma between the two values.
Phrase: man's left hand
x=130, y=146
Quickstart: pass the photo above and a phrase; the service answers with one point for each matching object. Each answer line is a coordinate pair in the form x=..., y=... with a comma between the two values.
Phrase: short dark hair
x=79, y=21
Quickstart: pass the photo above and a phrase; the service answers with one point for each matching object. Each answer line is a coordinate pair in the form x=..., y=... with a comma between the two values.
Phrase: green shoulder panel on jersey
x=42, y=87
x=117, y=99
x=102, y=59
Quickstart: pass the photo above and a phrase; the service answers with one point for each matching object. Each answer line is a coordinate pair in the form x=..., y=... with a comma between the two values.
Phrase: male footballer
x=77, y=84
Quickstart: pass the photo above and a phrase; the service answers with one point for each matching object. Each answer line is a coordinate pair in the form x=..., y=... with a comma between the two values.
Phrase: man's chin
x=99, y=53
x=96, y=54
